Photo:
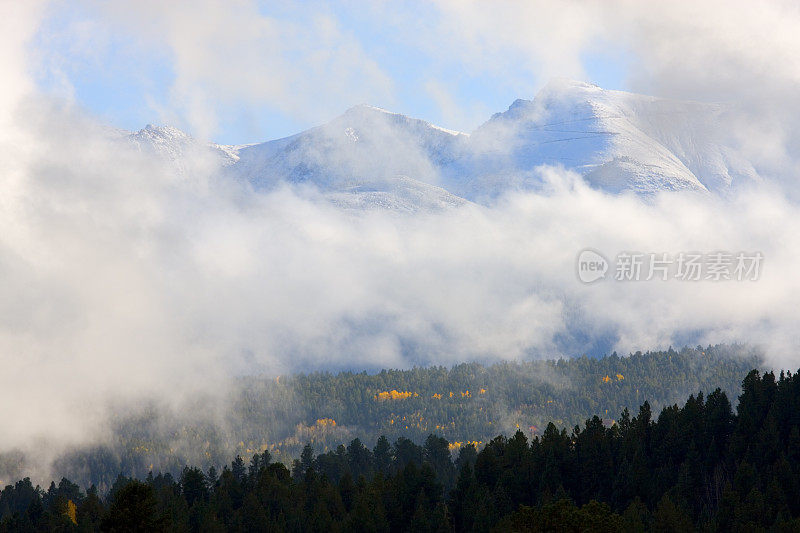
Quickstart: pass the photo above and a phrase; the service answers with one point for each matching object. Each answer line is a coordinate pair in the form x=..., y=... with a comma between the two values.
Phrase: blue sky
x=107, y=63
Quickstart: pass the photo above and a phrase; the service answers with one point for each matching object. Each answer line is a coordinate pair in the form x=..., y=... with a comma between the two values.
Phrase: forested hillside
x=466, y=403
x=473, y=403
x=701, y=466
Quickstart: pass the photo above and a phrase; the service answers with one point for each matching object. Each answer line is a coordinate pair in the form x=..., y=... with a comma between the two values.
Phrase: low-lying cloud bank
x=122, y=279
x=125, y=279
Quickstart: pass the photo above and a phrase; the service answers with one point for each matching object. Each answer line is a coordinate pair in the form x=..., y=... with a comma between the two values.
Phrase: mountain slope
x=371, y=158
x=364, y=143
x=618, y=141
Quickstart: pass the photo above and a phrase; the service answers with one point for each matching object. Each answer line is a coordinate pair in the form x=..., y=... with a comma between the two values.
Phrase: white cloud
x=125, y=280
x=121, y=279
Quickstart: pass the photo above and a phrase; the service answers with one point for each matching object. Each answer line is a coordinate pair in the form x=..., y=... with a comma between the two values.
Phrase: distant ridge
x=617, y=141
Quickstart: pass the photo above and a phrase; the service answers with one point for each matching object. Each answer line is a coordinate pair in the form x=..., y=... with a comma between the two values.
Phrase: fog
x=124, y=279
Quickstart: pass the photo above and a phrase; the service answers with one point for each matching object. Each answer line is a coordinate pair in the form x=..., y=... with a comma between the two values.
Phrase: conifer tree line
x=697, y=467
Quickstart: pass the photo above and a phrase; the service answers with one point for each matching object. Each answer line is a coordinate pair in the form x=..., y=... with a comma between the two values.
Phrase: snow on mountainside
x=180, y=149
x=369, y=157
x=365, y=143
x=618, y=141
x=399, y=194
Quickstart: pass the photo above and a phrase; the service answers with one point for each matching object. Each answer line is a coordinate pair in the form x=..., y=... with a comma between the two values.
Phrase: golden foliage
x=457, y=444
x=326, y=422
x=72, y=512
x=394, y=395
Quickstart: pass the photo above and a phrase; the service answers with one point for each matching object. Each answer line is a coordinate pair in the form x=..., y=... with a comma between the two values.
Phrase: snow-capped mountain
x=364, y=144
x=369, y=157
x=618, y=141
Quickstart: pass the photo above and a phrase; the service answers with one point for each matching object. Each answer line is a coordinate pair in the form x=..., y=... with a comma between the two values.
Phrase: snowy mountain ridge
x=371, y=157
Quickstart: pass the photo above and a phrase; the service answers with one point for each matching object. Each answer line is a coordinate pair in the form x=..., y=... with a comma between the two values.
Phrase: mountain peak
x=170, y=132
x=566, y=84
x=518, y=108
x=370, y=112
x=366, y=108
x=617, y=140
x=563, y=91
x=556, y=87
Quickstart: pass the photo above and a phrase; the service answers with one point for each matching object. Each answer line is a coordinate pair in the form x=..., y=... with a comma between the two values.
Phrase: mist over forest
x=238, y=229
